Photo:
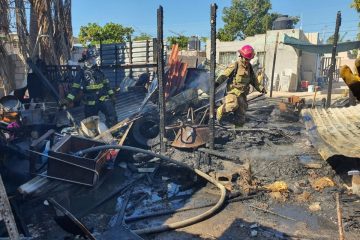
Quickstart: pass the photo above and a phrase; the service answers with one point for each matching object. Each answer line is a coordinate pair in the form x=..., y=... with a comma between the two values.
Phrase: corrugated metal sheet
x=121, y=53
x=334, y=131
x=127, y=104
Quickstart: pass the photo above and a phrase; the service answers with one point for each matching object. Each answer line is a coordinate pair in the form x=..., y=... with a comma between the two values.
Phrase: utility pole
x=274, y=62
x=213, y=9
x=264, y=57
x=333, y=59
x=160, y=72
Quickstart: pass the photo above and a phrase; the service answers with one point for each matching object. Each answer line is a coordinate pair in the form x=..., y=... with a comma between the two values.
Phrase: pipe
x=179, y=224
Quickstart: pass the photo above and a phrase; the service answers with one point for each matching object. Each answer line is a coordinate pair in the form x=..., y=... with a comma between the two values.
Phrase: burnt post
x=333, y=59
x=160, y=72
x=274, y=63
x=212, y=75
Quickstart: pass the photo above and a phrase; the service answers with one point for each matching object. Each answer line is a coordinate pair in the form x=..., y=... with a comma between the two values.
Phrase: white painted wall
x=288, y=59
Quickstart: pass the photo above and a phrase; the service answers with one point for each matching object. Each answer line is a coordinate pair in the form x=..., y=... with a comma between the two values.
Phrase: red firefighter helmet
x=247, y=52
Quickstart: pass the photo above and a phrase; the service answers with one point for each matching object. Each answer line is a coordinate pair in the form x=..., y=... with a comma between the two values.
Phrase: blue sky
x=191, y=17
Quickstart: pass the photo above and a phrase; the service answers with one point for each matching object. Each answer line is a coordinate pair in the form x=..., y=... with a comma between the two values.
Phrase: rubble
x=315, y=207
x=320, y=183
x=278, y=186
x=166, y=164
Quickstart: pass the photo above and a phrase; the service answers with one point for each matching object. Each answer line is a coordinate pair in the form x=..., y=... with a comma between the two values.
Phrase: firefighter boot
x=219, y=114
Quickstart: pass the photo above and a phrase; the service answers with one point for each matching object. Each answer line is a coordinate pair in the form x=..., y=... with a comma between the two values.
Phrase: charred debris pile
x=169, y=167
x=71, y=176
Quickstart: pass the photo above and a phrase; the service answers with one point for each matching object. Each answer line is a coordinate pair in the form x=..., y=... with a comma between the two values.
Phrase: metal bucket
x=191, y=137
x=10, y=104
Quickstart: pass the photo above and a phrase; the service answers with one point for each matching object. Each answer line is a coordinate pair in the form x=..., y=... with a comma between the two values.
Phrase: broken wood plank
x=339, y=216
x=219, y=154
x=6, y=214
x=121, y=124
x=33, y=185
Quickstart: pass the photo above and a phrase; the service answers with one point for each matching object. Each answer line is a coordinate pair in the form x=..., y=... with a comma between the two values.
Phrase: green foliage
x=247, y=18
x=203, y=39
x=330, y=40
x=109, y=33
x=142, y=37
x=356, y=5
x=180, y=39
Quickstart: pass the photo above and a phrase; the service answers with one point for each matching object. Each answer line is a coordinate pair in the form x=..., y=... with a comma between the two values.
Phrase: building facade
x=292, y=66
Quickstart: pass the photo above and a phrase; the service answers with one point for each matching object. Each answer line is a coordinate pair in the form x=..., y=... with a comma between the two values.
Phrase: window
x=260, y=56
x=225, y=58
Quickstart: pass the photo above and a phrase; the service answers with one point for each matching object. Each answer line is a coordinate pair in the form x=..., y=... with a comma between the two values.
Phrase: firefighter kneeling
x=97, y=95
x=239, y=75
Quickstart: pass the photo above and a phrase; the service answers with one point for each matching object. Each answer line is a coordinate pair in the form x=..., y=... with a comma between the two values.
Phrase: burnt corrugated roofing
x=127, y=104
x=334, y=131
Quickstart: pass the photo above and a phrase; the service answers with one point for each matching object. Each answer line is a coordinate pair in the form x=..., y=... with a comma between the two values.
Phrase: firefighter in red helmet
x=239, y=76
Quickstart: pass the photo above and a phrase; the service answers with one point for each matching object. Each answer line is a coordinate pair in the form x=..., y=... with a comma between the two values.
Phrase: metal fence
x=121, y=63
x=325, y=64
x=136, y=52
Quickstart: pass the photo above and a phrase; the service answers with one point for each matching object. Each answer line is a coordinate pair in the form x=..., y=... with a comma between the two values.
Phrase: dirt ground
x=275, y=146
x=279, y=151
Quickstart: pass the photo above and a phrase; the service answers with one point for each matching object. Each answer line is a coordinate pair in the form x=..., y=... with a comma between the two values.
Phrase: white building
x=292, y=65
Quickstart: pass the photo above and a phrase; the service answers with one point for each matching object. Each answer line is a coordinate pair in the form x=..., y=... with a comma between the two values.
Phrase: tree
x=356, y=5
x=109, y=33
x=330, y=40
x=247, y=18
x=142, y=37
x=180, y=39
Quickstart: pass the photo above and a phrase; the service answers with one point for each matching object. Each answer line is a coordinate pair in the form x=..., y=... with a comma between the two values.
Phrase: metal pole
x=116, y=67
x=130, y=56
x=274, y=62
x=264, y=58
x=333, y=59
x=160, y=71
x=147, y=55
x=212, y=75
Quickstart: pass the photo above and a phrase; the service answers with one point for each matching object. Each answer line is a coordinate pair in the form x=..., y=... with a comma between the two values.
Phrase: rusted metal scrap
x=64, y=165
x=191, y=137
x=176, y=74
x=68, y=217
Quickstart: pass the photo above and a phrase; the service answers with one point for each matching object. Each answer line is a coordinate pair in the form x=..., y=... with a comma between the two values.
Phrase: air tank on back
x=283, y=22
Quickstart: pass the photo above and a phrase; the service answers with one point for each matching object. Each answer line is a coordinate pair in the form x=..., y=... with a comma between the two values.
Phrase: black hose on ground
x=179, y=224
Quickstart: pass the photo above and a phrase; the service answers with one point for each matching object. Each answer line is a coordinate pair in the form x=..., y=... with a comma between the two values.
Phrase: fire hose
x=175, y=225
